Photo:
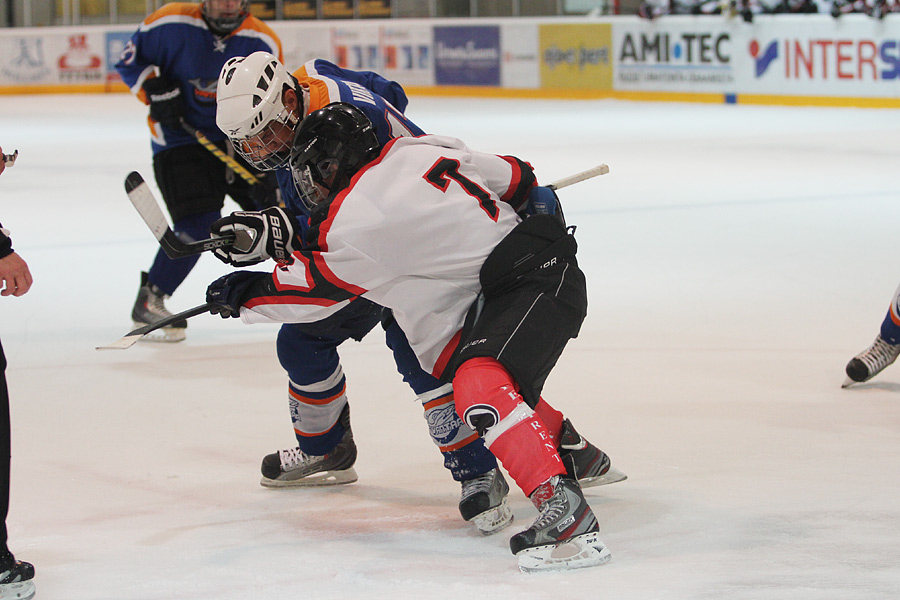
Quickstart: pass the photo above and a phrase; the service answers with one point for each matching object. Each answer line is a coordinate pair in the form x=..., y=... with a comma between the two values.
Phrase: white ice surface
x=737, y=258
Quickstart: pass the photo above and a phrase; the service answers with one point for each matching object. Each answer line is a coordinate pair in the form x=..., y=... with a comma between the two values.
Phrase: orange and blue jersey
x=176, y=43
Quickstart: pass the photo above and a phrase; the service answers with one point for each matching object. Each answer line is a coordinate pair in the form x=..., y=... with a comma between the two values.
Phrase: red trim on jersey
x=329, y=275
x=299, y=299
x=515, y=178
x=441, y=364
x=310, y=284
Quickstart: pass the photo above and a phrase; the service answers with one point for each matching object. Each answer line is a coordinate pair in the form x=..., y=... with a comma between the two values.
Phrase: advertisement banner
x=357, y=47
x=406, y=54
x=576, y=56
x=520, y=56
x=467, y=55
x=63, y=57
x=301, y=42
x=25, y=60
x=818, y=57
x=690, y=54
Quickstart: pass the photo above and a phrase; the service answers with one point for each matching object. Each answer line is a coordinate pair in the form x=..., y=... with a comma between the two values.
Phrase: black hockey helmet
x=330, y=146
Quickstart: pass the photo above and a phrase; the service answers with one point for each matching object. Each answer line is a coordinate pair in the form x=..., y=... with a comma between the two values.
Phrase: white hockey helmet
x=251, y=111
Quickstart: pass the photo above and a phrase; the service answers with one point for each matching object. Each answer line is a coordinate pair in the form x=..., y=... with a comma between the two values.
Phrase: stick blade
x=143, y=200
x=129, y=339
x=123, y=343
x=133, y=180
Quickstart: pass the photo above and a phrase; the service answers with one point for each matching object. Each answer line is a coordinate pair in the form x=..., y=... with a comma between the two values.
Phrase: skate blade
x=325, y=478
x=848, y=382
x=491, y=521
x=613, y=475
x=21, y=590
x=166, y=335
x=577, y=553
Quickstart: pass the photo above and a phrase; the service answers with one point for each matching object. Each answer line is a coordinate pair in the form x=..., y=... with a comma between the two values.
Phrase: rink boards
x=782, y=59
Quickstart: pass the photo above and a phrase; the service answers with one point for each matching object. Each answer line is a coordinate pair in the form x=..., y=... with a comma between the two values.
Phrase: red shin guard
x=551, y=417
x=486, y=395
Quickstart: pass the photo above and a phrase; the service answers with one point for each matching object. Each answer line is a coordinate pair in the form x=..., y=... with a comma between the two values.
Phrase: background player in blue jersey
x=260, y=105
x=172, y=63
x=883, y=351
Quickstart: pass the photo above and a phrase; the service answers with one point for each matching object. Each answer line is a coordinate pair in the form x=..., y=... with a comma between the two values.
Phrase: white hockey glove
x=259, y=236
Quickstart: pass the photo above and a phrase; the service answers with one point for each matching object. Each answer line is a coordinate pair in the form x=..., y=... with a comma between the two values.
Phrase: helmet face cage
x=269, y=149
x=223, y=24
x=330, y=146
x=311, y=180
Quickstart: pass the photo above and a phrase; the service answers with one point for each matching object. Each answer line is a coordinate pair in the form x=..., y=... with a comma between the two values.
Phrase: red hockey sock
x=487, y=400
x=551, y=417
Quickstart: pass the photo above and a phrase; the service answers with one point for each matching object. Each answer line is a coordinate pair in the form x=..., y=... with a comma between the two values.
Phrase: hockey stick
x=217, y=152
x=601, y=169
x=132, y=337
x=145, y=202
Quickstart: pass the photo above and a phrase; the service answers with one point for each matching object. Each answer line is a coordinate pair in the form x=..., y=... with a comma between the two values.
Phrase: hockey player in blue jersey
x=883, y=351
x=260, y=105
x=172, y=62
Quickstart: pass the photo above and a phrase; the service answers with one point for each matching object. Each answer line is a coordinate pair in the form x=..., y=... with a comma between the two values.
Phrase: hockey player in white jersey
x=260, y=104
x=489, y=310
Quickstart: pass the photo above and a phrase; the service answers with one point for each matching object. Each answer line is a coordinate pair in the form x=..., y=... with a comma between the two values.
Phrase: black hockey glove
x=166, y=103
x=227, y=293
x=259, y=236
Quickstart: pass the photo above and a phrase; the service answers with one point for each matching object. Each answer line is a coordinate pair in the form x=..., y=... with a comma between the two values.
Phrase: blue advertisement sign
x=467, y=55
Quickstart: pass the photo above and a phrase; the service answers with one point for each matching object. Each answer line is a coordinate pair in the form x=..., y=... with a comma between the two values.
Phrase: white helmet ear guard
x=251, y=111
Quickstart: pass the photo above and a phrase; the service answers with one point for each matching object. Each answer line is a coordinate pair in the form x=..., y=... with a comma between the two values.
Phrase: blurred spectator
x=650, y=9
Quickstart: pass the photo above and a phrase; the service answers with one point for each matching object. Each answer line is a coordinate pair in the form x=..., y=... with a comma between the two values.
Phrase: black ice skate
x=871, y=361
x=295, y=468
x=584, y=461
x=483, y=502
x=149, y=308
x=16, y=578
x=565, y=535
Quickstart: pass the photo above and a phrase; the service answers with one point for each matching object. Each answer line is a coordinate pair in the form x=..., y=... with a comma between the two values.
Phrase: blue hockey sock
x=167, y=273
x=890, y=331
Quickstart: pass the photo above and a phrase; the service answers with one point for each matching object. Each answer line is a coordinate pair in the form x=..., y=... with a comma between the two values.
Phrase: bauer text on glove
x=258, y=236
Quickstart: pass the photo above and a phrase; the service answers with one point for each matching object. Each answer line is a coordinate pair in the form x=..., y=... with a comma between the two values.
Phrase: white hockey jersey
x=411, y=233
